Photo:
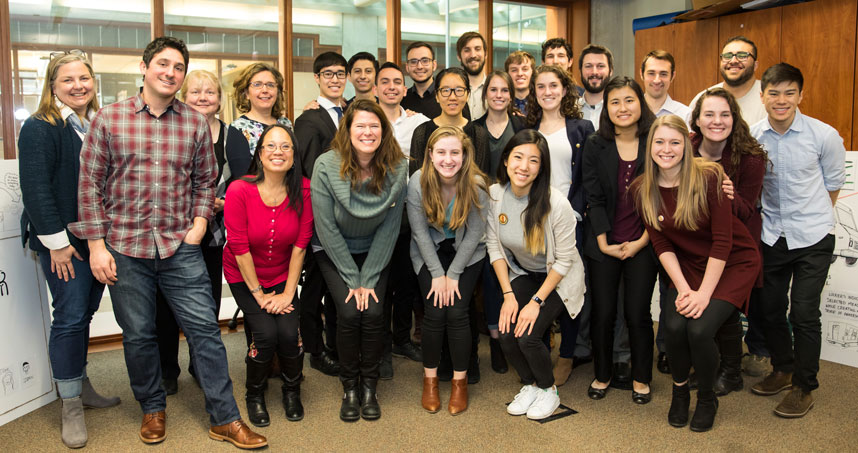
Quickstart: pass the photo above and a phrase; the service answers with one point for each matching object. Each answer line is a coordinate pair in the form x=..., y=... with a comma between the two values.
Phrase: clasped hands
x=691, y=304
x=275, y=303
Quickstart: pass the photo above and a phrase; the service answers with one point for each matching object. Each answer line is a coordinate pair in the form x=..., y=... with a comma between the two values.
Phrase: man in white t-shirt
x=658, y=70
x=390, y=89
x=738, y=62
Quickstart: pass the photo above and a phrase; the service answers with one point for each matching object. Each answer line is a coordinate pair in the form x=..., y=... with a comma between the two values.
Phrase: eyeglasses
x=77, y=52
x=422, y=61
x=269, y=85
x=328, y=75
x=741, y=56
x=271, y=147
x=447, y=91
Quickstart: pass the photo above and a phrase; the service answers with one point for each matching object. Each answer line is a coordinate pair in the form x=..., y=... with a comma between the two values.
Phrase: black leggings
x=691, y=342
x=269, y=333
x=360, y=334
x=528, y=354
x=455, y=317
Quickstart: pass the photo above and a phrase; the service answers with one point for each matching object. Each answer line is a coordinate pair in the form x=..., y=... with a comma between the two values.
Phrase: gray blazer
x=425, y=239
x=561, y=255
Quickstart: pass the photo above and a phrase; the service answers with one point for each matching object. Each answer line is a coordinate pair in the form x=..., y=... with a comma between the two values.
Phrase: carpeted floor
x=745, y=422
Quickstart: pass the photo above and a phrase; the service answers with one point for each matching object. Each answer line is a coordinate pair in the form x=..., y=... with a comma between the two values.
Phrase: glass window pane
x=427, y=21
x=517, y=27
x=343, y=26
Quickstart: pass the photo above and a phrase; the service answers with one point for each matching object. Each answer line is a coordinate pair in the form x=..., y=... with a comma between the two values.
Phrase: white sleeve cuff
x=56, y=241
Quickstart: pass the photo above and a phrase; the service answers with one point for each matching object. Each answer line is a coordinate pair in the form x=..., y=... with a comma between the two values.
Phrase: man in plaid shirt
x=146, y=191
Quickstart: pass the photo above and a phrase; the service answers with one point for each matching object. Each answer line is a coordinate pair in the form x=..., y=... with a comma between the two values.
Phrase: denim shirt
x=807, y=162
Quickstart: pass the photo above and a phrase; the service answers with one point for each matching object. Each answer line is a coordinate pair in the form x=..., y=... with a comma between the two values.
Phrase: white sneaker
x=521, y=403
x=547, y=401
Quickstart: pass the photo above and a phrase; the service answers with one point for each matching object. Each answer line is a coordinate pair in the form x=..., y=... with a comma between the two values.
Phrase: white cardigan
x=561, y=254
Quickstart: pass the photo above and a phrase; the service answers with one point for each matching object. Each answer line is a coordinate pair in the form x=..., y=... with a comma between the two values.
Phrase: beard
x=477, y=71
x=588, y=87
x=746, y=75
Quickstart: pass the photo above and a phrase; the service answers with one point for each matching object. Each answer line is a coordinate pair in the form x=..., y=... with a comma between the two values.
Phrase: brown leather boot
x=238, y=434
x=153, y=428
x=431, y=399
x=458, y=396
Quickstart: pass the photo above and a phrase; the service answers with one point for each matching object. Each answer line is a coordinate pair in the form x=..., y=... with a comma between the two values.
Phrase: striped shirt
x=143, y=178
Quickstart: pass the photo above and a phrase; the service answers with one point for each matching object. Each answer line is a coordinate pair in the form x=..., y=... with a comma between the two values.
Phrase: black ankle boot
x=729, y=338
x=350, y=409
x=257, y=373
x=292, y=366
x=677, y=416
x=499, y=364
x=369, y=408
x=704, y=414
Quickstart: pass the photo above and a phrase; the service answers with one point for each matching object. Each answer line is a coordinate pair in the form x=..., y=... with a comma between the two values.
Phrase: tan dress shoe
x=238, y=434
x=431, y=399
x=458, y=396
x=154, y=427
x=562, y=370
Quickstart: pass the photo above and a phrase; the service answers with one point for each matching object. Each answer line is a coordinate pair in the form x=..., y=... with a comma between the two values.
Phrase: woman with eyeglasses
x=269, y=223
x=261, y=99
x=49, y=149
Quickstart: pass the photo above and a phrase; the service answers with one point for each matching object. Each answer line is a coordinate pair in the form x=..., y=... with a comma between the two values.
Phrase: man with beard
x=738, y=63
x=471, y=51
x=596, y=65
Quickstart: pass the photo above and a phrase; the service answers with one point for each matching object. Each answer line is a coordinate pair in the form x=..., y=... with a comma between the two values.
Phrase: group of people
x=553, y=203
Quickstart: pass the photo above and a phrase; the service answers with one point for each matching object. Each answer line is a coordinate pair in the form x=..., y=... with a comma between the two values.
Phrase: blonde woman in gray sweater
x=358, y=193
x=531, y=245
x=446, y=206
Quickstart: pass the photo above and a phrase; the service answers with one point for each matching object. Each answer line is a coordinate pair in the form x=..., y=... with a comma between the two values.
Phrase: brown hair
x=659, y=54
x=510, y=108
x=386, y=157
x=467, y=36
x=48, y=110
x=569, y=107
x=519, y=57
x=242, y=84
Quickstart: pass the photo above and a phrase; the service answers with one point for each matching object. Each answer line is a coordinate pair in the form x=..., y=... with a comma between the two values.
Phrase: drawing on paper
x=842, y=334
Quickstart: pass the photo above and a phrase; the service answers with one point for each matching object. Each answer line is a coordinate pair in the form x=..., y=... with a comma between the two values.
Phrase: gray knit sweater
x=351, y=222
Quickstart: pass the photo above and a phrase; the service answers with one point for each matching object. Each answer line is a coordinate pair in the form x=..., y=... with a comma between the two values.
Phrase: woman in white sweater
x=531, y=245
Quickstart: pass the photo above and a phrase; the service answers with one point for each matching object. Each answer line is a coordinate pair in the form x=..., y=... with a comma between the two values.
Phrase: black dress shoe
x=578, y=361
x=596, y=394
x=171, y=386
x=663, y=366
x=622, y=378
x=409, y=351
x=641, y=398
x=325, y=363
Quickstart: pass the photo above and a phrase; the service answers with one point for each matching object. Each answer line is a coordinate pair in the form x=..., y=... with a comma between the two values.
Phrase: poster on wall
x=25, y=374
x=839, y=304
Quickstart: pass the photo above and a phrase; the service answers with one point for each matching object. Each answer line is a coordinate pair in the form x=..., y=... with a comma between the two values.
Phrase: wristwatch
x=256, y=290
x=539, y=301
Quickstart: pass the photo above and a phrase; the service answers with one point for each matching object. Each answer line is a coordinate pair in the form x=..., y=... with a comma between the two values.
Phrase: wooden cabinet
x=696, y=59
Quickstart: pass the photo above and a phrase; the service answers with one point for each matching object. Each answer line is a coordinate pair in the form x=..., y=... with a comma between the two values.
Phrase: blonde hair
x=48, y=110
x=694, y=175
x=242, y=84
x=201, y=75
x=470, y=179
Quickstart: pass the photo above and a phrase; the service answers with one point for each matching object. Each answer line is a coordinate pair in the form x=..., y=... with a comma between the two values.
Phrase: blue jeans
x=74, y=304
x=185, y=283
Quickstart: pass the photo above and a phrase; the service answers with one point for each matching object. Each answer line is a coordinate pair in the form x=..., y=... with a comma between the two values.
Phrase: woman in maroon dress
x=710, y=256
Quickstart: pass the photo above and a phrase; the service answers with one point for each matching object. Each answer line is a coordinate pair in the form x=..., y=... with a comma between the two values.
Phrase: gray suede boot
x=90, y=398
x=74, y=427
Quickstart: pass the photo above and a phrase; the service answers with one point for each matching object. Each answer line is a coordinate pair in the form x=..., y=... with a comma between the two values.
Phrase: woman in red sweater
x=710, y=256
x=269, y=223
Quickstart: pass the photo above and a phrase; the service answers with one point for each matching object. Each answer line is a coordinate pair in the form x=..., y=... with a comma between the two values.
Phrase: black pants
x=270, y=334
x=165, y=323
x=312, y=291
x=401, y=294
x=360, y=334
x=691, y=342
x=807, y=268
x=527, y=353
x=638, y=277
x=454, y=318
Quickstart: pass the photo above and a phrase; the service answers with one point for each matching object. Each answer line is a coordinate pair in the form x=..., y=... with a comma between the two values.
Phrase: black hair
x=163, y=42
x=328, y=59
x=554, y=43
x=388, y=65
x=606, y=126
x=782, y=72
x=452, y=70
x=744, y=40
x=418, y=44
x=293, y=179
x=361, y=56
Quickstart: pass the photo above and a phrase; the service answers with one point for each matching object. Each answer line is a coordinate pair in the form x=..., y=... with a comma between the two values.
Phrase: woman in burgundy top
x=269, y=223
x=710, y=256
x=721, y=135
x=617, y=247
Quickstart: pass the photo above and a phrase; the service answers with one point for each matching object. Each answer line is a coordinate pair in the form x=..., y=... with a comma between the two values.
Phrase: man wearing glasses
x=738, y=63
x=420, y=65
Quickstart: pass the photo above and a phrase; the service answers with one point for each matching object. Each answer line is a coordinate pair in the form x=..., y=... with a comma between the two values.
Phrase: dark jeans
x=165, y=321
x=185, y=283
x=755, y=337
x=360, y=334
x=583, y=344
x=807, y=268
x=492, y=297
x=270, y=334
x=637, y=275
x=402, y=292
x=454, y=318
x=527, y=353
x=74, y=303
x=313, y=289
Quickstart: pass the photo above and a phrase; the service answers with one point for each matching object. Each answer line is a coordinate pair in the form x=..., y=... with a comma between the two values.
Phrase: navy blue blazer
x=48, y=166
